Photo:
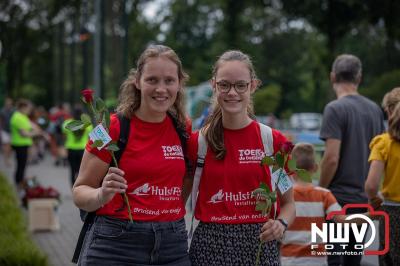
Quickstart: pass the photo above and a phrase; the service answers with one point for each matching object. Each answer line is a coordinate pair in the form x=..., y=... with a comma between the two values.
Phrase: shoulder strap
x=201, y=155
x=267, y=139
x=268, y=143
x=124, y=130
x=89, y=219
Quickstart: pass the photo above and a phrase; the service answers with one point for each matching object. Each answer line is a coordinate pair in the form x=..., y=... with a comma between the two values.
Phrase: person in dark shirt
x=348, y=126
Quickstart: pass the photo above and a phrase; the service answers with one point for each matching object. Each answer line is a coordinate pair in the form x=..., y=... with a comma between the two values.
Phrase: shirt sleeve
x=279, y=139
x=331, y=127
x=104, y=154
x=379, y=148
x=330, y=203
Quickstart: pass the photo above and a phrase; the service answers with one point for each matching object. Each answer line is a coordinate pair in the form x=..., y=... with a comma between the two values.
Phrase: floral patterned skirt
x=231, y=244
x=393, y=256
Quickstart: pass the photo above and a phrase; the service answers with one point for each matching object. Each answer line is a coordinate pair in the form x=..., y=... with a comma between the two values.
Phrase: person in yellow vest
x=75, y=143
x=21, y=137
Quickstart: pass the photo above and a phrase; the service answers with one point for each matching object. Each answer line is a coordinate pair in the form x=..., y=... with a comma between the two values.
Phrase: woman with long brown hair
x=151, y=171
x=230, y=229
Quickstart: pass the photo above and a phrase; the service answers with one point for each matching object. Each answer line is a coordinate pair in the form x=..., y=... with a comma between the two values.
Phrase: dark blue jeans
x=112, y=241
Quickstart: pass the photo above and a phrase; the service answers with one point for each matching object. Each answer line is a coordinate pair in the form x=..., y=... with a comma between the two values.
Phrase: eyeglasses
x=225, y=87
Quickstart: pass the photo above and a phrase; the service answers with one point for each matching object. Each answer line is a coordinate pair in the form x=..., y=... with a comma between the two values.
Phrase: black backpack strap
x=124, y=130
x=89, y=219
x=124, y=126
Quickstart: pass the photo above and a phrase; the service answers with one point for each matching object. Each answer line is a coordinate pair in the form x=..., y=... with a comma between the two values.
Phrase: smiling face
x=159, y=85
x=228, y=74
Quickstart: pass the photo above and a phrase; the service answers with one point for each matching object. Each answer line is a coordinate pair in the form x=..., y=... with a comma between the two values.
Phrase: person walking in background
x=41, y=119
x=75, y=143
x=151, y=172
x=36, y=150
x=22, y=133
x=385, y=162
x=230, y=228
x=349, y=124
x=5, y=117
x=58, y=115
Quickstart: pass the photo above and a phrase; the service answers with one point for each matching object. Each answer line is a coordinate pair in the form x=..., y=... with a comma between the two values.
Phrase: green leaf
x=97, y=143
x=275, y=168
x=100, y=105
x=262, y=195
x=272, y=196
x=266, y=210
x=86, y=119
x=75, y=125
x=279, y=159
x=264, y=187
x=304, y=175
x=112, y=147
x=268, y=160
x=261, y=206
x=292, y=164
x=257, y=191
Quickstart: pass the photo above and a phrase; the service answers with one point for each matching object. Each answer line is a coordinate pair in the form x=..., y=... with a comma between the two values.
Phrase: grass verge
x=16, y=246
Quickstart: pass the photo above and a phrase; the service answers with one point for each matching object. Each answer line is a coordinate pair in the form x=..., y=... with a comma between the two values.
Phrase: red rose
x=287, y=147
x=87, y=95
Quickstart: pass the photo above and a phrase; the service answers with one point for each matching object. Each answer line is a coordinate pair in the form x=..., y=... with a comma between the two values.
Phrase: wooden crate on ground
x=43, y=215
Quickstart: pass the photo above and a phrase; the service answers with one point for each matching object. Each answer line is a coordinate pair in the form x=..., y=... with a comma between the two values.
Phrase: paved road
x=59, y=245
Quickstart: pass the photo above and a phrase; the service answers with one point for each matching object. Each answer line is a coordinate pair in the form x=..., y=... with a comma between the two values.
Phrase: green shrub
x=267, y=99
x=16, y=247
x=381, y=85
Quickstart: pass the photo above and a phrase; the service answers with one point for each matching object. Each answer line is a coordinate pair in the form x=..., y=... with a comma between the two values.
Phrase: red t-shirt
x=226, y=185
x=154, y=168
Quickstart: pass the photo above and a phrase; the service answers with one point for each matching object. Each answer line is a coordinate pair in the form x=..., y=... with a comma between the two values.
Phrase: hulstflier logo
x=217, y=197
x=165, y=193
x=331, y=233
x=238, y=198
x=142, y=190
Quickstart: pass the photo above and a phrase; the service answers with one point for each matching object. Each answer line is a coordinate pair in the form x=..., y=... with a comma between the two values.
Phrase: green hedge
x=16, y=247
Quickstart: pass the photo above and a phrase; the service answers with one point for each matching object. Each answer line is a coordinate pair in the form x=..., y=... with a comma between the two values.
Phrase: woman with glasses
x=230, y=229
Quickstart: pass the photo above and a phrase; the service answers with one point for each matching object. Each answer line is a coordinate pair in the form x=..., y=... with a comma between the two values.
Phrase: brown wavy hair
x=213, y=129
x=130, y=95
x=391, y=104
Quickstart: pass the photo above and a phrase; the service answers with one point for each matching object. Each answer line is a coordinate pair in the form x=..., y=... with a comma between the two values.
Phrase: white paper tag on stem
x=285, y=183
x=100, y=133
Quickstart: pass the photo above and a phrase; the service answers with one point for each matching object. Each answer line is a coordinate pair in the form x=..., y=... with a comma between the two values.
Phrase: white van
x=306, y=121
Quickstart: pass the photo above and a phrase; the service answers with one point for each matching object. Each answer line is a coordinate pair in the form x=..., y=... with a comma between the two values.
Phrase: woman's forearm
x=87, y=198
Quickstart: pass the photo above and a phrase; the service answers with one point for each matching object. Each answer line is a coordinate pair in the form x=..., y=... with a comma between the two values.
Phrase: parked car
x=306, y=121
